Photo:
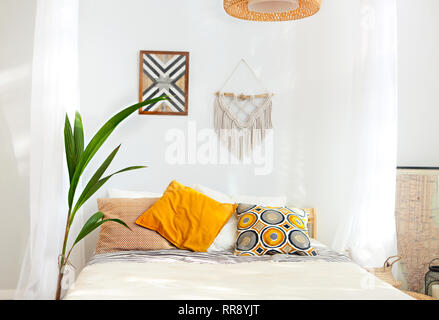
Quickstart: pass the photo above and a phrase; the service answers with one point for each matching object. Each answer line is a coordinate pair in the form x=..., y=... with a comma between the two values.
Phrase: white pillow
x=215, y=195
x=225, y=198
x=261, y=201
x=117, y=193
x=225, y=240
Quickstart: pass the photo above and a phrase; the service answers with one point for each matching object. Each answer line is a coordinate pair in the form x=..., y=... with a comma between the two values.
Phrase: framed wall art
x=164, y=73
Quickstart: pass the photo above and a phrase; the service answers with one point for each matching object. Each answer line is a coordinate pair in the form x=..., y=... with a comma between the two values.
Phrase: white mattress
x=167, y=278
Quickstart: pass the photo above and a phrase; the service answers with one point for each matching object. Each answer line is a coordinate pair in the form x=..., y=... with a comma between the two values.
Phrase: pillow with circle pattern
x=272, y=230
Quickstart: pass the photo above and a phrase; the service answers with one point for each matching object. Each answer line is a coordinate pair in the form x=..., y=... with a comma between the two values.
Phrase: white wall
x=16, y=39
x=306, y=63
x=418, y=38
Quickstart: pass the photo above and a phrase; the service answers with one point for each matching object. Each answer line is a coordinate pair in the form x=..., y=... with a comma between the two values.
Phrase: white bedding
x=165, y=279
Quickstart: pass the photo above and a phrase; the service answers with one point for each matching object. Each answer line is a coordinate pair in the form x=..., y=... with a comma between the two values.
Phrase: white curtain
x=55, y=91
x=367, y=229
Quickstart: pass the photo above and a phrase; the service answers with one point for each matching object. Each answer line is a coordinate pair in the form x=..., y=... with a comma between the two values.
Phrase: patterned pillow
x=113, y=237
x=272, y=230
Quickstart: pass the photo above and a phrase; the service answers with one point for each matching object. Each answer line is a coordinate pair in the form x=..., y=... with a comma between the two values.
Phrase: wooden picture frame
x=164, y=73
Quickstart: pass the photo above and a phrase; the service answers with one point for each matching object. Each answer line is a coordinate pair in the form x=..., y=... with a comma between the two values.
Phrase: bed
x=175, y=274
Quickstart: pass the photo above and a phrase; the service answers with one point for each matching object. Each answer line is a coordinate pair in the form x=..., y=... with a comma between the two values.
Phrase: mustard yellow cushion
x=186, y=218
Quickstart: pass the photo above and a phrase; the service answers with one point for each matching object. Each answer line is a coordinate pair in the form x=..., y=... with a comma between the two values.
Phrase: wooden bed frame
x=312, y=222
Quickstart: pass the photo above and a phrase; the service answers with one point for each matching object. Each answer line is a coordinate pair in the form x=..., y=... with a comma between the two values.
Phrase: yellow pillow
x=187, y=218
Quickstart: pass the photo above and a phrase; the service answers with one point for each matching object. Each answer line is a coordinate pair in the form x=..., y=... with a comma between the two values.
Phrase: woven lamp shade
x=239, y=9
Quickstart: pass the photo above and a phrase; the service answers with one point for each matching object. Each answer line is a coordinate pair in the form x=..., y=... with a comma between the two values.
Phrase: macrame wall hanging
x=241, y=120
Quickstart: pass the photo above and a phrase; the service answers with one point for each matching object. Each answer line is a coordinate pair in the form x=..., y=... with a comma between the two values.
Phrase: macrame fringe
x=241, y=138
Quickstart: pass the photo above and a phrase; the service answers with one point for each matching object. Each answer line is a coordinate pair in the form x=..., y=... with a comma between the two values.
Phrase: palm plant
x=77, y=160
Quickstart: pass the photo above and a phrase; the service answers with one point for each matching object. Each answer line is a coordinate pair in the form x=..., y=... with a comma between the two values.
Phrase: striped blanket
x=223, y=257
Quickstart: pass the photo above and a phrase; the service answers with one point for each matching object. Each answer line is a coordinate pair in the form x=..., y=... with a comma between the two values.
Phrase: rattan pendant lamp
x=271, y=10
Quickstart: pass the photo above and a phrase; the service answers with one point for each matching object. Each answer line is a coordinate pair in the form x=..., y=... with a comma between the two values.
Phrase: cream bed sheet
x=247, y=281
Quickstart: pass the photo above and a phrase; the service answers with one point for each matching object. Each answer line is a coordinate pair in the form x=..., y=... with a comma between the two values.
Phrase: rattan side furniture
x=418, y=296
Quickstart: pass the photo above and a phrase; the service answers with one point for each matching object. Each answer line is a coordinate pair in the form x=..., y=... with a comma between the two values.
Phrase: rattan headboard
x=312, y=222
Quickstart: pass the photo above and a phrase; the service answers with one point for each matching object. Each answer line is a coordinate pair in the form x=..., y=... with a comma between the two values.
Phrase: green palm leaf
x=94, y=179
x=97, y=141
x=78, y=136
x=69, y=145
x=101, y=182
x=94, y=222
x=96, y=182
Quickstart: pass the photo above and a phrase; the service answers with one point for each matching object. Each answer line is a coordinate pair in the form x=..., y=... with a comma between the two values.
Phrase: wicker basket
x=418, y=296
x=385, y=273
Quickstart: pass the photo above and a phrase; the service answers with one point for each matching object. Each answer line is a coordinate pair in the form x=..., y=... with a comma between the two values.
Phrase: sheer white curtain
x=55, y=91
x=367, y=228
